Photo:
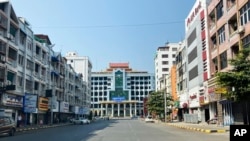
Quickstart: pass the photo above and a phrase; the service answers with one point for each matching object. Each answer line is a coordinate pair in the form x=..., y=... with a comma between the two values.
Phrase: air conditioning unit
x=10, y=37
x=241, y=29
x=2, y=59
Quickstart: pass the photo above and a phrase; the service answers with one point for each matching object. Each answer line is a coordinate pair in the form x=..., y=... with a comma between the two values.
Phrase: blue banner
x=118, y=99
x=30, y=103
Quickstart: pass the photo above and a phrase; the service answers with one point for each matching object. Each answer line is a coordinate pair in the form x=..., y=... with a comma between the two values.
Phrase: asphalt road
x=116, y=130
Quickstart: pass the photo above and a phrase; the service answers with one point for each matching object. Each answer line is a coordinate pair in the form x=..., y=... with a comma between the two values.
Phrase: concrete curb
x=40, y=127
x=200, y=129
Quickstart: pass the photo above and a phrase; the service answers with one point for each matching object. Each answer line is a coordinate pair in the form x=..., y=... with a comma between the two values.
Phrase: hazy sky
x=108, y=30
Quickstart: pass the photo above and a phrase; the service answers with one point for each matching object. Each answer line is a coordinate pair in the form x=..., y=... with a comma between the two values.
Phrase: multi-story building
x=164, y=59
x=120, y=91
x=35, y=82
x=228, y=27
x=83, y=65
x=11, y=95
x=182, y=80
x=197, y=59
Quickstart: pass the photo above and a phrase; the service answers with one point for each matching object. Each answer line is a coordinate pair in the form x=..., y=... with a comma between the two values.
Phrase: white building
x=120, y=91
x=197, y=57
x=83, y=65
x=35, y=81
x=164, y=59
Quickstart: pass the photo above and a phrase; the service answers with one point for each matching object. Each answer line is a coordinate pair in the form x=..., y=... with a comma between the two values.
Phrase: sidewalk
x=35, y=127
x=201, y=127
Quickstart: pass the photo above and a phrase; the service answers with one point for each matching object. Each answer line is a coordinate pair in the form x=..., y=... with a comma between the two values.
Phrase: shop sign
x=221, y=90
x=12, y=100
x=43, y=104
x=194, y=96
x=202, y=99
x=64, y=107
x=30, y=103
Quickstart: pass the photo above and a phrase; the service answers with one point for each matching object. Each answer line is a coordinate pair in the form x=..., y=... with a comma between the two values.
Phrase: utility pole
x=165, y=100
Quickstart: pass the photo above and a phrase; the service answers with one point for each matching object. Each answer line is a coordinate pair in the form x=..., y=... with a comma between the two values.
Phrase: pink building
x=229, y=28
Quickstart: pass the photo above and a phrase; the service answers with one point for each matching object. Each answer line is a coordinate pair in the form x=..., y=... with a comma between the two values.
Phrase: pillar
x=135, y=110
x=118, y=109
x=112, y=113
x=124, y=110
x=106, y=109
x=130, y=109
x=101, y=110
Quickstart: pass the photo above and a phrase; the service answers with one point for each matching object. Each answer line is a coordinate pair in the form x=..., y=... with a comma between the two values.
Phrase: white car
x=149, y=119
x=81, y=120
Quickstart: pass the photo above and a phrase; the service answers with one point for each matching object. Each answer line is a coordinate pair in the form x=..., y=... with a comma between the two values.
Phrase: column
x=135, y=110
x=112, y=113
x=101, y=110
x=124, y=110
x=106, y=109
x=130, y=109
x=118, y=110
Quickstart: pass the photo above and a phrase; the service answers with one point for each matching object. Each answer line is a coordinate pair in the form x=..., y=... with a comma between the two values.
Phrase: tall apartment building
x=83, y=65
x=164, y=59
x=228, y=27
x=35, y=81
x=119, y=91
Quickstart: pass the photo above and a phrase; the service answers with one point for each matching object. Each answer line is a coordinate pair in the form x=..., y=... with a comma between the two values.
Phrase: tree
x=156, y=103
x=238, y=78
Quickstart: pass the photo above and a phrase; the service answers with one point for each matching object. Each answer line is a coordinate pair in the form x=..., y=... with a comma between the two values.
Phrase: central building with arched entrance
x=119, y=91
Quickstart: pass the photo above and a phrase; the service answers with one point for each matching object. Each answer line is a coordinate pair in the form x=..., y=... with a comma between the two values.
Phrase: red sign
x=194, y=13
x=193, y=96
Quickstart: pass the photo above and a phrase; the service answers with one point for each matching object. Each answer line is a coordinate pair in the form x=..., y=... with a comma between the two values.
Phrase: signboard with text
x=30, y=103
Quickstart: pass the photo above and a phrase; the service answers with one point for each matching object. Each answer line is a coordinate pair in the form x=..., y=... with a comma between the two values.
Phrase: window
x=29, y=65
x=193, y=73
x=174, y=49
x=36, y=86
x=165, y=69
x=222, y=36
x=2, y=73
x=219, y=9
x=164, y=56
x=246, y=41
x=37, y=50
x=191, y=37
x=192, y=55
x=215, y=63
x=37, y=68
x=245, y=13
x=213, y=39
x=29, y=46
x=20, y=81
x=12, y=54
x=22, y=39
x=173, y=55
x=11, y=77
x=164, y=62
x=223, y=60
x=20, y=60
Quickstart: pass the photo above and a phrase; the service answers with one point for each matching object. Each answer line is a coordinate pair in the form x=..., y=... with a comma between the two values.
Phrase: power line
x=111, y=26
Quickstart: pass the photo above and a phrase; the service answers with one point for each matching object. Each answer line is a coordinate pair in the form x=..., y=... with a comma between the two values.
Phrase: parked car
x=149, y=119
x=80, y=120
x=7, y=125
